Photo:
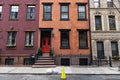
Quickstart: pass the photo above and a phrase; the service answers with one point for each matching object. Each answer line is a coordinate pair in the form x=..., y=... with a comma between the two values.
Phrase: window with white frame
x=14, y=12
x=29, y=38
x=31, y=12
x=0, y=11
x=12, y=38
x=96, y=3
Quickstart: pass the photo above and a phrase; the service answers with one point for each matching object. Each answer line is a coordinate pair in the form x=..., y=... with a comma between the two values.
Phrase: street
x=57, y=77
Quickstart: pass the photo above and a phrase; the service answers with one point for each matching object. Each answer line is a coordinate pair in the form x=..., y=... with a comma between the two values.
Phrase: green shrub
x=40, y=52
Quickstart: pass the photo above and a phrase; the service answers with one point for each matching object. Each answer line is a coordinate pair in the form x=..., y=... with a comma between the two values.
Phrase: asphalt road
x=57, y=77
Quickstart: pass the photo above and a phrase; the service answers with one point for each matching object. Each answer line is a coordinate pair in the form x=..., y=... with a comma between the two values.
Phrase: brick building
x=64, y=27
x=18, y=31
x=28, y=25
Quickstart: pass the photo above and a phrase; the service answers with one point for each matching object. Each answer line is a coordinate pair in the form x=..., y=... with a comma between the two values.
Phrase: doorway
x=45, y=41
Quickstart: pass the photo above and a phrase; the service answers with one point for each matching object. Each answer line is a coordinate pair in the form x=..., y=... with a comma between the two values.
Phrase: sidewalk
x=68, y=70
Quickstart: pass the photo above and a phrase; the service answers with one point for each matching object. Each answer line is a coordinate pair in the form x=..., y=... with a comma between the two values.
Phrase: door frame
x=48, y=32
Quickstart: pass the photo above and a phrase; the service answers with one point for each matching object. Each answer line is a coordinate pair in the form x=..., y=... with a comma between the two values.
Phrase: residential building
x=105, y=30
x=18, y=31
x=64, y=28
x=32, y=25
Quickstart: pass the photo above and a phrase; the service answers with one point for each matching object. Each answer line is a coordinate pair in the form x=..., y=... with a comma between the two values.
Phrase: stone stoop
x=44, y=62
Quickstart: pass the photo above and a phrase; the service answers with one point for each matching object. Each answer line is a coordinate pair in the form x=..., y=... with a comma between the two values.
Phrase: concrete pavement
x=68, y=70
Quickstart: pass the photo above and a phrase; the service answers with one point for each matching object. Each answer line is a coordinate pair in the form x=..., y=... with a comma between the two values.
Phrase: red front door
x=46, y=44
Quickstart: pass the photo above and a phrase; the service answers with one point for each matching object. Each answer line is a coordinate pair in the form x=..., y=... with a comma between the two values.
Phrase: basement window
x=9, y=61
x=65, y=61
x=83, y=61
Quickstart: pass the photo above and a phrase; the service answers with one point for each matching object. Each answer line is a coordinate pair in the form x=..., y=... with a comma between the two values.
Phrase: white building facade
x=105, y=28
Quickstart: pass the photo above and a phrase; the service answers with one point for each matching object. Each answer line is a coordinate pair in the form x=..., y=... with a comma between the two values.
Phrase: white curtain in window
x=14, y=9
x=0, y=8
x=27, y=38
x=32, y=37
x=10, y=38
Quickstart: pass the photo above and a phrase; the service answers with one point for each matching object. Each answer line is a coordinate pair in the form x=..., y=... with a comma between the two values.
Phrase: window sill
x=47, y=19
x=82, y=19
x=11, y=47
x=64, y=19
x=30, y=19
x=28, y=47
x=83, y=47
x=13, y=19
x=64, y=47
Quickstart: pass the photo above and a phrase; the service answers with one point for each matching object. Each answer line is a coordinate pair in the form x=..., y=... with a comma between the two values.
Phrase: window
x=109, y=3
x=0, y=11
x=98, y=23
x=47, y=11
x=12, y=38
x=65, y=39
x=31, y=12
x=29, y=38
x=83, y=42
x=65, y=61
x=26, y=61
x=100, y=50
x=112, y=24
x=14, y=12
x=64, y=11
x=96, y=3
x=114, y=48
x=9, y=61
x=81, y=11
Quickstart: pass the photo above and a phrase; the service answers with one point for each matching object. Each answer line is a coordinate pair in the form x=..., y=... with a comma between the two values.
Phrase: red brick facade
x=73, y=24
x=19, y=25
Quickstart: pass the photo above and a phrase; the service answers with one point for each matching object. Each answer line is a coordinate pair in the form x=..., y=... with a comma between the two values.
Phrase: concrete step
x=44, y=63
x=43, y=66
x=45, y=60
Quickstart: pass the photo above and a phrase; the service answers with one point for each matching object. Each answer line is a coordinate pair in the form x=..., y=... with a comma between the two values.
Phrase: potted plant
x=116, y=57
x=51, y=52
x=40, y=52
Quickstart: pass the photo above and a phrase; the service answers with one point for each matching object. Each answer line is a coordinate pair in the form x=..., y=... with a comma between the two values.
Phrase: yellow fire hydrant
x=63, y=74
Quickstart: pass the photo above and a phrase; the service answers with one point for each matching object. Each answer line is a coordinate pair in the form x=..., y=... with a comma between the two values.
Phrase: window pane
x=47, y=8
x=14, y=8
x=0, y=8
x=81, y=15
x=29, y=39
x=14, y=12
x=114, y=48
x=0, y=12
x=81, y=12
x=98, y=23
x=100, y=50
x=47, y=14
x=64, y=16
x=81, y=8
x=112, y=24
x=31, y=12
x=64, y=11
x=64, y=8
x=64, y=39
x=96, y=3
x=12, y=38
x=83, y=39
